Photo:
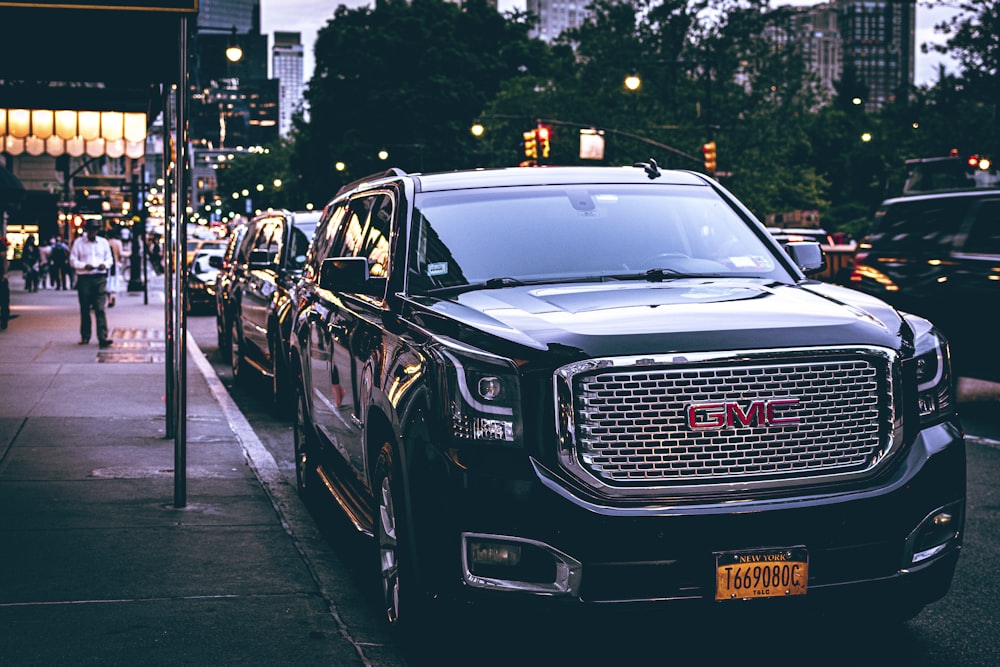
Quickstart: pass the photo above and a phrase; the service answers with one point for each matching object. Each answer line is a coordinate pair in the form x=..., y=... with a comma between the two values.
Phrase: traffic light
x=708, y=149
x=530, y=145
x=542, y=134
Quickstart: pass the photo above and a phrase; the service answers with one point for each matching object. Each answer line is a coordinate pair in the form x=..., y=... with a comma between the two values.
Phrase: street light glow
x=866, y=137
x=477, y=129
x=632, y=81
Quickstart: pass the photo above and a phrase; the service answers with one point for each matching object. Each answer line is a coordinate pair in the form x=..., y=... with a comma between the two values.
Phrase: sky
x=308, y=16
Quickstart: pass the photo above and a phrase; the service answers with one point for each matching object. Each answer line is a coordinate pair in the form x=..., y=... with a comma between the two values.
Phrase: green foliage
x=411, y=78
x=265, y=168
x=408, y=79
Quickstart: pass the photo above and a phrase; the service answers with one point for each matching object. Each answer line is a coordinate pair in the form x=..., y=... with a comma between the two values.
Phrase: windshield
x=500, y=237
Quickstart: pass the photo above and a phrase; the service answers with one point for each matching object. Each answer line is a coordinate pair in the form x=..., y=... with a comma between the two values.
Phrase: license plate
x=761, y=573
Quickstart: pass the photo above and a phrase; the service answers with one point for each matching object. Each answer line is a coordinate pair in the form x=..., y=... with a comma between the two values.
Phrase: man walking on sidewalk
x=91, y=258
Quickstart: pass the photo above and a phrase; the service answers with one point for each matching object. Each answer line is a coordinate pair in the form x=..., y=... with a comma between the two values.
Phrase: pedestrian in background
x=91, y=259
x=43, y=264
x=59, y=263
x=4, y=286
x=29, y=264
x=115, y=242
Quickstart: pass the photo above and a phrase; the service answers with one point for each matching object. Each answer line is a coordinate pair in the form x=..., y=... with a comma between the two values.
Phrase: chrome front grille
x=768, y=420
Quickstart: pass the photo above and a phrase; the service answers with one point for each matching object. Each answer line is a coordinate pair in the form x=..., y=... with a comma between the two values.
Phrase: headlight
x=484, y=397
x=932, y=359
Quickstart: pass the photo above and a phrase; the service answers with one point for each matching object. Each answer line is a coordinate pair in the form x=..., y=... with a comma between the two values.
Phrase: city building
x=866, y=44
x=555, y=16
x=815, y=31
x=286, y=67
x=878, y=47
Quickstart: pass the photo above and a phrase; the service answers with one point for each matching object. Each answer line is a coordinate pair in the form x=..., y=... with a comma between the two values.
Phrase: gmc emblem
x=705, y=416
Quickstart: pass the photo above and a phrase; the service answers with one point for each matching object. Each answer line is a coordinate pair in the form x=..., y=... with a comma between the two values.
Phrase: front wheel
x=222, y=334
x=405, y=603
x=236, y=359
x=303, y=441
x=282, y=391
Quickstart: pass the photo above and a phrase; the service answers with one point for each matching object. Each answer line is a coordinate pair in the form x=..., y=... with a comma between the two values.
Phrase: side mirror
x=349, y=274
x=807, y=255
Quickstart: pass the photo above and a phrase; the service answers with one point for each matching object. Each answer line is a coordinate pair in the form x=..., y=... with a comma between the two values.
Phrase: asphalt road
x=963, y=629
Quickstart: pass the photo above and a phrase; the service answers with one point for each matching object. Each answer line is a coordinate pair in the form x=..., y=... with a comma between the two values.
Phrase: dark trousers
x=90, y=292
x=4, y=300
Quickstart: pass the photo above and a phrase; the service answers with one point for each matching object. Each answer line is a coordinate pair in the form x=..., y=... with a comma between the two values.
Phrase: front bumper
x=543, y=538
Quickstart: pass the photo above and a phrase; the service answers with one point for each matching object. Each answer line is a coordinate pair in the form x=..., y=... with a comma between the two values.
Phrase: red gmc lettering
x=706, y=416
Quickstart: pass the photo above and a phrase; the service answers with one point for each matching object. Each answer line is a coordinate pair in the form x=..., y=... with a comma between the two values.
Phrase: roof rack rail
x=353, y=185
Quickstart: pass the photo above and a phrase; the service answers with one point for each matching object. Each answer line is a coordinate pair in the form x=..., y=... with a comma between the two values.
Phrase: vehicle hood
x=679, y=315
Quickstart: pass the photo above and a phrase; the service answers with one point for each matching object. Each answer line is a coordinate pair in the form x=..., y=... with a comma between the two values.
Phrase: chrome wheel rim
x=299, y=440
x=234, y=350
x=387, y=550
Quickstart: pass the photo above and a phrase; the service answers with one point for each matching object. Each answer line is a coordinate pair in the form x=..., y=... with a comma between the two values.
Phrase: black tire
x=304, y=443
x=222, y=335
x=407, y=606
x=237, y=361
x=283, y=393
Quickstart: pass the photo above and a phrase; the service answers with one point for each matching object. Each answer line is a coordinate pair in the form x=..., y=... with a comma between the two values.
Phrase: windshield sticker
x=755, y=262
x=437, y=269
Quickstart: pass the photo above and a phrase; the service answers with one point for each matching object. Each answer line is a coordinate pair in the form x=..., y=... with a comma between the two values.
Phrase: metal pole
x=167, y=259
x=180, y=264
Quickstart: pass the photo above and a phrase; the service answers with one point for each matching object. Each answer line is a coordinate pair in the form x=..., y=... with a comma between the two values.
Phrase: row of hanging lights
x=74, y=133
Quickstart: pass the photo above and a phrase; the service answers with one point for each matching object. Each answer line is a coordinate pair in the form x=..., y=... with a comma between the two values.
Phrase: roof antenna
x=651, y=168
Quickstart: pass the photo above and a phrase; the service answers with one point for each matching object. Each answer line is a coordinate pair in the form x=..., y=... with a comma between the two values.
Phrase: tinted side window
x=269, y=239
x=326, y=232
x=377, y=235
x=243, y=253
x=929, y=225
x=984, y=237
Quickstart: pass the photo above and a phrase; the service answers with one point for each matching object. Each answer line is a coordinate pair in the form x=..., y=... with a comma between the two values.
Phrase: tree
x=408, y=79
x=973, y=43
x=271, y=169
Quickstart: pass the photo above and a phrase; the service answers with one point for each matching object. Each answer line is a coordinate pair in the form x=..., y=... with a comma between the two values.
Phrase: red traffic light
x=544, y=133
x=972, y=160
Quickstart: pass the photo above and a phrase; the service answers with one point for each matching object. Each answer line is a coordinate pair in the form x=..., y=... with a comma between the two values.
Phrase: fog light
x=938, y=531
x=494, y=553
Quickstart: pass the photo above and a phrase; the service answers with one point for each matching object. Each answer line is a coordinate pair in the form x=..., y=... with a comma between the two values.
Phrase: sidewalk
x=97, y=565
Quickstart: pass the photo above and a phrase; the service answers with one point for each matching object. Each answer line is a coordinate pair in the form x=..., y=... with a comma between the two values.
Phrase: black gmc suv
x=589, y=385
x=268, y=262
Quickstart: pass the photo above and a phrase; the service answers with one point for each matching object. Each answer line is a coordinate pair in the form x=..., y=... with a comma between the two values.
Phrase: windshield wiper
x=492, y=283
x=653, y=275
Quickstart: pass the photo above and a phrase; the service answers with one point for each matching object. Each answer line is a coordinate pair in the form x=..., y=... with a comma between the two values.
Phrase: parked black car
x=223, y=282
x=587, y=385
x=274, y=246
x=938, y=255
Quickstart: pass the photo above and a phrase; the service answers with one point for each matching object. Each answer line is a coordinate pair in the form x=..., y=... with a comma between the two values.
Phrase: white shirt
x=96, y=253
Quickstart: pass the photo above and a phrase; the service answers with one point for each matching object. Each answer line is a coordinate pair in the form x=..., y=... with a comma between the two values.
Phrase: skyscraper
x=286, y=66
x=865, y=44
x=878, y=47
x=554, y=16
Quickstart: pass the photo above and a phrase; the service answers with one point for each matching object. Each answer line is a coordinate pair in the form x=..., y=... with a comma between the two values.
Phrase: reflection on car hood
x=690, y=314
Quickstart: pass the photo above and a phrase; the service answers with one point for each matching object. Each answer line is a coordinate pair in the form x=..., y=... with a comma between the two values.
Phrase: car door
x=356, y=327
x=334, y=401
x=265, y=253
